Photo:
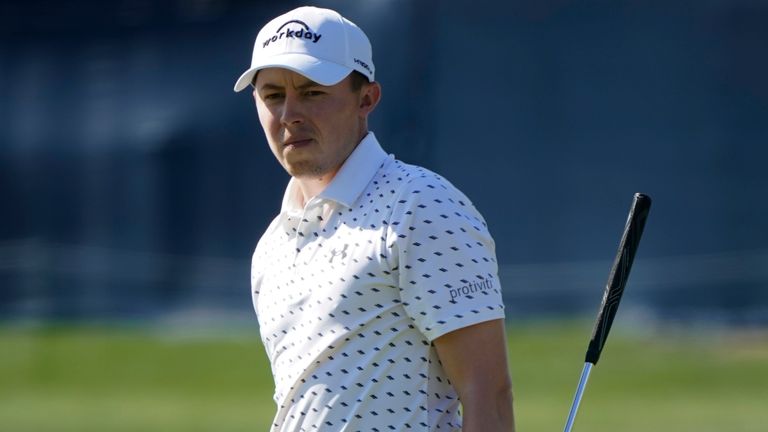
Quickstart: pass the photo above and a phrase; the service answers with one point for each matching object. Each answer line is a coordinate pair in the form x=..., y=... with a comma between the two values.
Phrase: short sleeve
x=444, y=257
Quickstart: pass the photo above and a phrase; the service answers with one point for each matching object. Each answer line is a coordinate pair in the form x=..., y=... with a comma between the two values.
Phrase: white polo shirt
x=351, y=290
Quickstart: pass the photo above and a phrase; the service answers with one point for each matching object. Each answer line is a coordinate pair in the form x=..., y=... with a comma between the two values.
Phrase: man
x=375, y=287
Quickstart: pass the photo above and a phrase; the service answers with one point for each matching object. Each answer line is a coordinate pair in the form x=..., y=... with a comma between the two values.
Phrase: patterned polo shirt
x=351, y=289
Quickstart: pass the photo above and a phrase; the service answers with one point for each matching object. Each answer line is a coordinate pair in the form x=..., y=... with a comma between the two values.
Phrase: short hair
x=357, y=80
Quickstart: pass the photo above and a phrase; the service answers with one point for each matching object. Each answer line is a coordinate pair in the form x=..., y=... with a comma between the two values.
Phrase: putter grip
x=617, y=279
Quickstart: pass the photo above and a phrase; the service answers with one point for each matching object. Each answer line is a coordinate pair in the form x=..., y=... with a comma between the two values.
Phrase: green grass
x=120, y=379
x=683, y=382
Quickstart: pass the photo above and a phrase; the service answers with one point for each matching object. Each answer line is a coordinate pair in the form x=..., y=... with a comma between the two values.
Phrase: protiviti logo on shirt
x=302, y=33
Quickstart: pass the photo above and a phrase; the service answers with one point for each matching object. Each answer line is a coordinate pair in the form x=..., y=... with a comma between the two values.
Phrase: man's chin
x=305, y=171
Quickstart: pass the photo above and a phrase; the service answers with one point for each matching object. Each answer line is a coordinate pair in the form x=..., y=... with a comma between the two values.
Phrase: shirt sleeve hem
x=440, y=330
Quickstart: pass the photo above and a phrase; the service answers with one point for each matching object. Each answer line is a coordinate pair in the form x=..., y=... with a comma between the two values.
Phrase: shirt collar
x=353, y=176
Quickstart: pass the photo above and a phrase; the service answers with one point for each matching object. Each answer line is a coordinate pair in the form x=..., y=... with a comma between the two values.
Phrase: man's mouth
x=297, y=142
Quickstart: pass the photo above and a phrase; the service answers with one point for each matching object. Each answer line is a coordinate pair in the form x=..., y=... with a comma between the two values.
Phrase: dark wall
x=566, y=110
x=134, y=180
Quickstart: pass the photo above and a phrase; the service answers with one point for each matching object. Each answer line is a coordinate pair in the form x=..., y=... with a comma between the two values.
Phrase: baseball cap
x=318, y=43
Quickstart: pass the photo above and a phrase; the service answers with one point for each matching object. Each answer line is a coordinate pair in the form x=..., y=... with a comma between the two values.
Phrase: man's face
x=310, y=128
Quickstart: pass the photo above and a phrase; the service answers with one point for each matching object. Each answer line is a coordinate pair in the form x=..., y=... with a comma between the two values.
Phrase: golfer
x=376, y=286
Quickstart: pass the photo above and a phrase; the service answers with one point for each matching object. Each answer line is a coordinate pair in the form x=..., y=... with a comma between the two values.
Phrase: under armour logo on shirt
x=335, y=253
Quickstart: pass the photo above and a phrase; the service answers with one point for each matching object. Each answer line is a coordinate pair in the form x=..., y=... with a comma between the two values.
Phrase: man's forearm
x=489, y=414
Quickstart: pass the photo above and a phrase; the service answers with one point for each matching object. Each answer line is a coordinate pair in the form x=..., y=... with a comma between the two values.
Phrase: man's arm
x=475, y=360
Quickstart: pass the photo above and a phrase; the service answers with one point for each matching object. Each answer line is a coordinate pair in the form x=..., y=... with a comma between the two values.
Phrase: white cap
x=317, y=43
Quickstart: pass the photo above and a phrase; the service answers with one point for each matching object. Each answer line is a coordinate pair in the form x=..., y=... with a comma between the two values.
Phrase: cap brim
x=317, y=70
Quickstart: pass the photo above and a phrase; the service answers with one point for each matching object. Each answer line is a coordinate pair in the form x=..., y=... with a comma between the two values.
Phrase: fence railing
x=40, y=280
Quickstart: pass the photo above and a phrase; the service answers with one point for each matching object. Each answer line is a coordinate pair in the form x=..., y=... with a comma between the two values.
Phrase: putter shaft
x=577, y=398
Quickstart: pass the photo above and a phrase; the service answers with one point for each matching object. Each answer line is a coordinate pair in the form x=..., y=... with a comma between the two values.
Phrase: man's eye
x=272, y=96
x=314, y=93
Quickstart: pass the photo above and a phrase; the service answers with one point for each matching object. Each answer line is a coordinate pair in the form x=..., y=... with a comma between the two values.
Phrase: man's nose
x=292, y=110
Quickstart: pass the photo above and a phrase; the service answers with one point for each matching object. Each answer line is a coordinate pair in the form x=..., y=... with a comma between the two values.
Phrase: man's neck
x=310, y=187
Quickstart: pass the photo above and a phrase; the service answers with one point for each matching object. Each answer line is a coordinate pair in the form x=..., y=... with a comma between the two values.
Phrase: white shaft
x=577, y=398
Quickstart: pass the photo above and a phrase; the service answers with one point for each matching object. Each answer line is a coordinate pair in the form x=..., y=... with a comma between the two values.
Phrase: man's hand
x=475, y=360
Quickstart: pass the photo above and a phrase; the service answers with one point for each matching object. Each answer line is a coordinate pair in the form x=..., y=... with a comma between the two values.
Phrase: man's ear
x=370, y=95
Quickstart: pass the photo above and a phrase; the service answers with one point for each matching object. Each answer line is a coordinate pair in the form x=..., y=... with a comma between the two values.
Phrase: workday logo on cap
x=317, y=43
x=303, y=33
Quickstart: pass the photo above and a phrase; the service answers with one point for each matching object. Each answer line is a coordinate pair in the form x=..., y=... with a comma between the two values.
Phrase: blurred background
x=135, y=182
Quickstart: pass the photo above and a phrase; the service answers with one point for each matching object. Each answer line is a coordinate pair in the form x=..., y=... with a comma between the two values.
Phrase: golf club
x=617, y=280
